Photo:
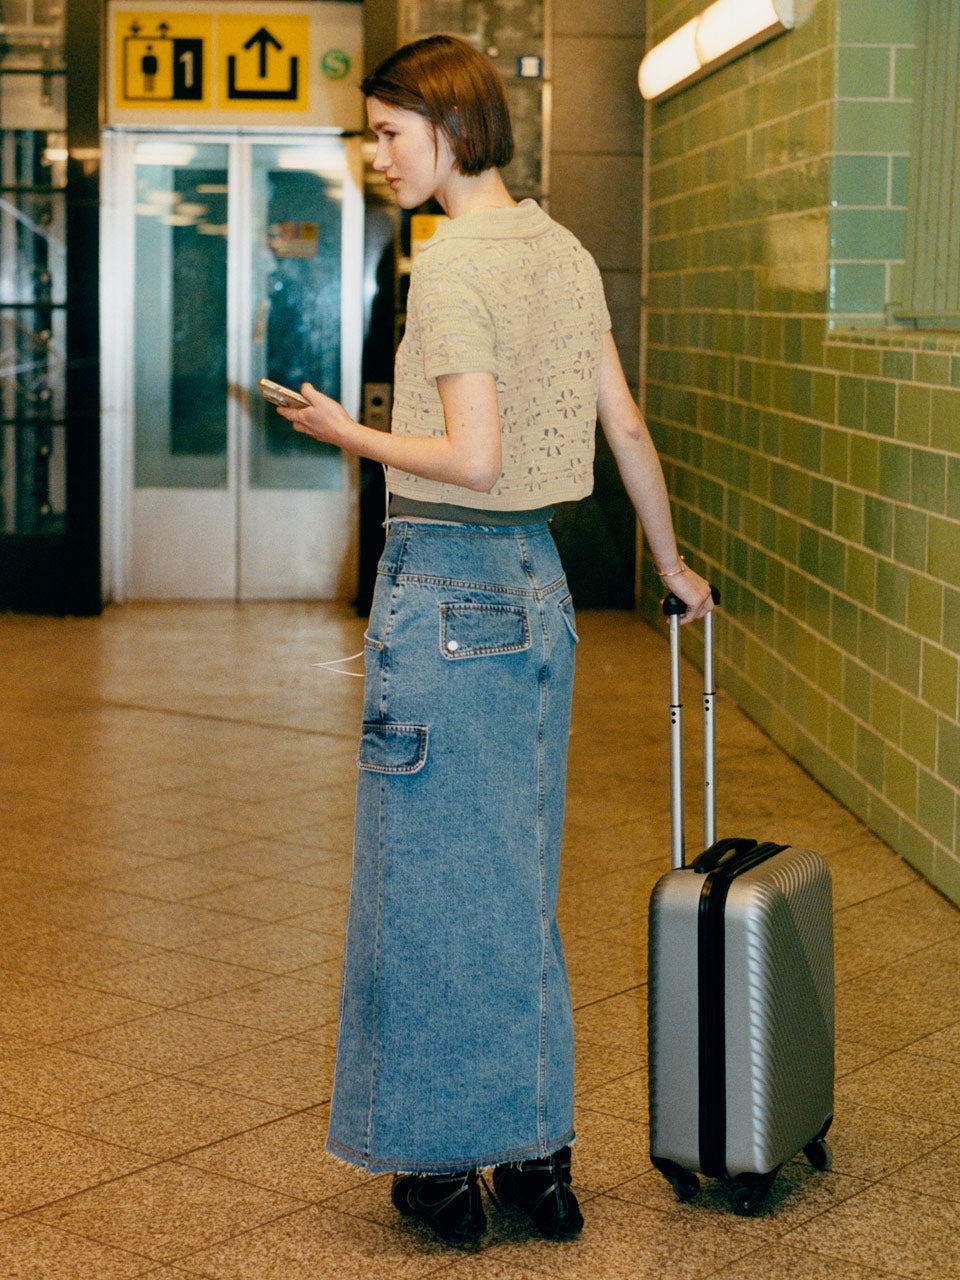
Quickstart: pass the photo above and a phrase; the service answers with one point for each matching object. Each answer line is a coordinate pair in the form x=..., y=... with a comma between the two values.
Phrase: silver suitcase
x=741, y=1035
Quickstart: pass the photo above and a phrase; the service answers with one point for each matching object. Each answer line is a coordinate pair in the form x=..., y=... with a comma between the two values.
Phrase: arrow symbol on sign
x=263, y=38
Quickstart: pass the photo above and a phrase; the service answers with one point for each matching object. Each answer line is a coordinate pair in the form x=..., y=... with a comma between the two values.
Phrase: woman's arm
x=642, y=475
x=468, y=455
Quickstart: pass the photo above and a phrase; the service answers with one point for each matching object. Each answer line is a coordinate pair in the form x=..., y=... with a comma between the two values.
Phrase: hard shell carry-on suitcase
x=740, y=1022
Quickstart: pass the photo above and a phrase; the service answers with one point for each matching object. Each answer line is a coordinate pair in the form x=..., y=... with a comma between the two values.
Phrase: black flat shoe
x=449, y=1204
x=541, y=1189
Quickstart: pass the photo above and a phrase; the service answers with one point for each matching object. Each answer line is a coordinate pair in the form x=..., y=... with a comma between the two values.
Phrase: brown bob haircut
x=458, y=90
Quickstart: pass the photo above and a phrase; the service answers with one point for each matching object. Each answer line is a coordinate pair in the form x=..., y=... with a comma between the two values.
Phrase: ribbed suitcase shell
x=775, y=1051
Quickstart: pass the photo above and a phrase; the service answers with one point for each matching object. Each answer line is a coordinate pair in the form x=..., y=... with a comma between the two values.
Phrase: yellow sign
x=422, y=227
x=216, y=62
x=264, y=59
x=163, y=62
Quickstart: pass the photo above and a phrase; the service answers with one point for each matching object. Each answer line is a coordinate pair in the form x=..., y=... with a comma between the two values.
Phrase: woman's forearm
x=636, y=458
x=639, y=466
x=468, y=454
x=432, y=457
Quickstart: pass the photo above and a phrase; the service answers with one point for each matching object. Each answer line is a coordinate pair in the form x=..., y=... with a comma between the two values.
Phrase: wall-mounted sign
x=422, y=227
x=159, y=67
x=247, y=62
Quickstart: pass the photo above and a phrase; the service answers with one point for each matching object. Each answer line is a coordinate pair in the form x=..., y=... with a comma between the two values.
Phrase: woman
x=455, y=1050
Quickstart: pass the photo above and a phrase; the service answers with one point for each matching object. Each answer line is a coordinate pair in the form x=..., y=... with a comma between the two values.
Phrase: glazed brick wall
x=813, y=454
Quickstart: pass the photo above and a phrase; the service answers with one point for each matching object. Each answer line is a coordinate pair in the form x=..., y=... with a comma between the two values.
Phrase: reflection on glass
x=33, y=479
x=32, y=324
x=32, y=247
x=180, y=317
x=32, y=268
x=296, y=323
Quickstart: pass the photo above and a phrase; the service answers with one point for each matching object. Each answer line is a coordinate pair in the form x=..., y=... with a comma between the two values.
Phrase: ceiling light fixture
x=723, y=31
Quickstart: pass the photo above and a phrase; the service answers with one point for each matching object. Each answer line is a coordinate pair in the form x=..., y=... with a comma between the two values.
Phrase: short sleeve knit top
x=512, y=293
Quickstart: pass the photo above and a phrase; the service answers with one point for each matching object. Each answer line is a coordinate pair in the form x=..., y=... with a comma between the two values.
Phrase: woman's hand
x=325, y=419
x=694, y=591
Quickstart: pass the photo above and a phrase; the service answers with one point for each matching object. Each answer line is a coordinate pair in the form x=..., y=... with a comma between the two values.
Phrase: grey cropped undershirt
x=413, y=507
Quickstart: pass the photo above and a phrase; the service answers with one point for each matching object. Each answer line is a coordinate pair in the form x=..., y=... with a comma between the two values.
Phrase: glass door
x=296, y=500
x=183, y=504
x=244, y=261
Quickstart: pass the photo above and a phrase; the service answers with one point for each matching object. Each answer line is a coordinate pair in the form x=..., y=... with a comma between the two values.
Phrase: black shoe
x=541, y=1188
x=450, y=1204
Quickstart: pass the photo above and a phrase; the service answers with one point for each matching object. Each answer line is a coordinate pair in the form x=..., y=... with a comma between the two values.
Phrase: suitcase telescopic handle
x=674, y=608
x=673, y=605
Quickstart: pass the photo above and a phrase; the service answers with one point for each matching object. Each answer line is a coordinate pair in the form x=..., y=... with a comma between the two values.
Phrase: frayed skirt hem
x=377, y=1165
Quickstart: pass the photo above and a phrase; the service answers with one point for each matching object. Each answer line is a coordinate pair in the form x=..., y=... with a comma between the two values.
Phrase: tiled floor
x=176, y=789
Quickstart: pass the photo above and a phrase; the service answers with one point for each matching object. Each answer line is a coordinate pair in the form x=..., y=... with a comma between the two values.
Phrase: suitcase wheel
x=686, y=1185
x=748, y=1193
x=747, y=1201
x=819, y=1154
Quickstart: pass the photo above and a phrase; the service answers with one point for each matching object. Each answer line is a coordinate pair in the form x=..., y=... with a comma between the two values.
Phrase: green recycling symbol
x=335, y=64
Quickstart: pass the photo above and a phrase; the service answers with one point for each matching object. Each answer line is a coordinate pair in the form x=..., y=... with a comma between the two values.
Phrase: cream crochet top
x=508, y=292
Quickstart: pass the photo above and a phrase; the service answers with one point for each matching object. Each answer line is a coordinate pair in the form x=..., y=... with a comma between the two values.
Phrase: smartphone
x=276, y=394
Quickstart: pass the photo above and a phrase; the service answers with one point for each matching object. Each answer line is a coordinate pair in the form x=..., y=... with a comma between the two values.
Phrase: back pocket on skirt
x=480, y=630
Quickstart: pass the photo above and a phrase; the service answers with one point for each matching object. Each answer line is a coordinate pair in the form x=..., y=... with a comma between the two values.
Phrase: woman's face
x=414, y=158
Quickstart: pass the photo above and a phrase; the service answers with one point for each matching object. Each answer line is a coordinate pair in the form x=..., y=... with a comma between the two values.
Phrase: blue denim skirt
x=455, y=1044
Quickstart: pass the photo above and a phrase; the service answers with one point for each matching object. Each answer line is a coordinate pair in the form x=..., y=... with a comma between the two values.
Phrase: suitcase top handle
x=733, y=857
x=722, y=851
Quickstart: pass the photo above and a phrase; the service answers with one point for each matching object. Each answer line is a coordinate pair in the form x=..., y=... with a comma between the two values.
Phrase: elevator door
x=246, y=261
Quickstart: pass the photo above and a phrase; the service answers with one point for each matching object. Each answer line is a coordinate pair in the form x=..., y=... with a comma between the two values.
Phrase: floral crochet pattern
x=508, y=292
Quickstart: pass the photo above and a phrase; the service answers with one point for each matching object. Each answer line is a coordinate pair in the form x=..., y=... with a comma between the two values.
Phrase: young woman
x=455, y=1050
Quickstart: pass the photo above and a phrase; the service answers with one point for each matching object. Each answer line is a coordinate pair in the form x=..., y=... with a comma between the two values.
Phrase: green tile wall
x=873, y=60
x=812, y=453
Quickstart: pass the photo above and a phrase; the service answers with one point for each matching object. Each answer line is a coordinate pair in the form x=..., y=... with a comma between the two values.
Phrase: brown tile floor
x=176, y=789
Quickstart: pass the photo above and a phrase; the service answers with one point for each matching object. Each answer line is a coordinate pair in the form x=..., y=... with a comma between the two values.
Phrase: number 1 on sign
x=187, y=75
x=188, y=70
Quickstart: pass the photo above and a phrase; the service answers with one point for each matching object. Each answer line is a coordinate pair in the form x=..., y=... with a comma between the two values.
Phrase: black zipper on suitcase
x=720, y=865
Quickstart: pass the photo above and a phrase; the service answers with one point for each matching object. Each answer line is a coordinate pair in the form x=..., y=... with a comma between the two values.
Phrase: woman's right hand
x=695, y=592
x=324, y=419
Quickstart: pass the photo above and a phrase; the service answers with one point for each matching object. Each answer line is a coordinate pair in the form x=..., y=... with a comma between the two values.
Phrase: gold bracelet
x=673, y=572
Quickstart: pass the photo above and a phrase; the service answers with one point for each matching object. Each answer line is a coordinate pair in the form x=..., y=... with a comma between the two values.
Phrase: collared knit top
x=512, y=293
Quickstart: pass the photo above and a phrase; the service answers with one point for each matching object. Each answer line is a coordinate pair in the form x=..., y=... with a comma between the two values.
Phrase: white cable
x=335, y=665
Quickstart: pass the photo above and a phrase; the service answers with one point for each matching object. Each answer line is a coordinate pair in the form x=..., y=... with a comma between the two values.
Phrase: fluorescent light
x=178, y=155
x=736, y=25
x=723, y=31
x=331, y=159
x=671, y=61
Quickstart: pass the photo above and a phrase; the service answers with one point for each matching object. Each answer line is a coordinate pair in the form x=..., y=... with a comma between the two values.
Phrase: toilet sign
x=249, y=62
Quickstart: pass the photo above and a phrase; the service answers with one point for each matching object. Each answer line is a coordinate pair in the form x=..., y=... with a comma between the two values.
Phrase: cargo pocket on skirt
x=392, y=748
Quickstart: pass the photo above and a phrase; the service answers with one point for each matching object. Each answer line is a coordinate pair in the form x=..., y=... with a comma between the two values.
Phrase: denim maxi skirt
x=455, y=1046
